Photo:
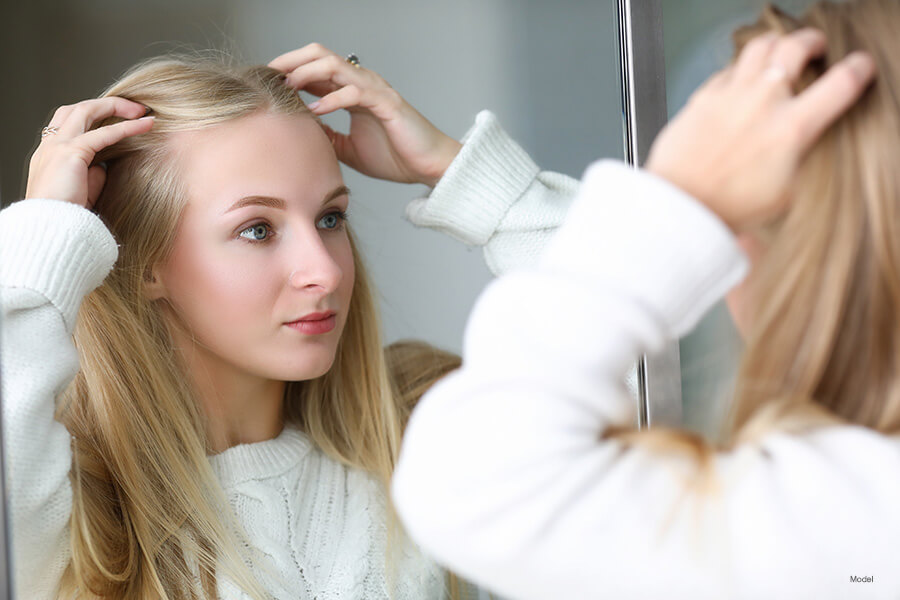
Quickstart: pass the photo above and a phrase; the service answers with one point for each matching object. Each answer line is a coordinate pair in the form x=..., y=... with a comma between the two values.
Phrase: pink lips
x=315, y=323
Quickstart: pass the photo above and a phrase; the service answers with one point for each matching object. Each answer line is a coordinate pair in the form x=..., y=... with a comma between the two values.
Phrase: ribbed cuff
x=59, y=249
x=646, y=237
x=488, y=175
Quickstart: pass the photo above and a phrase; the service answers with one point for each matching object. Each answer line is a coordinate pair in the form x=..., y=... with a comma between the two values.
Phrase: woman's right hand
x=737, y=144
x=60, y=168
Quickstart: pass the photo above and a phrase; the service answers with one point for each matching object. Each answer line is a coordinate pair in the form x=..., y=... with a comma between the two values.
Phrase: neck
x=240, y=408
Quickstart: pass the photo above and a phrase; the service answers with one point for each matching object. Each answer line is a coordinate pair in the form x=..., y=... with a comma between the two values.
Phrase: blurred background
x=547, y=70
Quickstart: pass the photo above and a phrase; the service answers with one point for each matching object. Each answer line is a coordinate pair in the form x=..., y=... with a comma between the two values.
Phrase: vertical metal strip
x=643, y=86
x=6, y=581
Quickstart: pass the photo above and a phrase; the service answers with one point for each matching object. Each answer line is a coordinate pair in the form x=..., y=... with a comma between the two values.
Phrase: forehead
x=287, y=156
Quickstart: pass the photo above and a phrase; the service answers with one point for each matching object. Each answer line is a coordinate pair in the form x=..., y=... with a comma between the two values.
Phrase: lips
x=315, y=323
x=317, y=316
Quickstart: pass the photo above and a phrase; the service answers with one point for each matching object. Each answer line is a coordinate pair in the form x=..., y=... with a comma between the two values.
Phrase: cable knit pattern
x=320, y=525
x=317, y=527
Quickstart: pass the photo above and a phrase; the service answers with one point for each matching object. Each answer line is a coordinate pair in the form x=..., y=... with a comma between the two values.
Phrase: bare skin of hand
x=388, y=138
x=60, y=168
x=739, y=140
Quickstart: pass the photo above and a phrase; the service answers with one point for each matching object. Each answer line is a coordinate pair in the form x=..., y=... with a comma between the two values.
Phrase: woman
x=227, y=421
x=568, y=500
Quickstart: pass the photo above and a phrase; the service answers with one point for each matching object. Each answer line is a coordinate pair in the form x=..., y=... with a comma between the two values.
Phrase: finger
x=754, y=57
x=108, y=135
x=96, y=179
x=60, y=115
x=380, y=102
x=343, y=148
x=794, y=51
x=331, y=133
x=321, y=88
x=831, y=95
x=331, y=68
x=345, y=97
x=291, y=60
x=84, y=114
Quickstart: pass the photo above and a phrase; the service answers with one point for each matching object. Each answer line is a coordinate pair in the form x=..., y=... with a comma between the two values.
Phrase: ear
x=153, y=284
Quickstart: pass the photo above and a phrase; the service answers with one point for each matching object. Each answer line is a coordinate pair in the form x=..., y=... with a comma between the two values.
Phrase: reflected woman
x=800, y=498
x=226, y=422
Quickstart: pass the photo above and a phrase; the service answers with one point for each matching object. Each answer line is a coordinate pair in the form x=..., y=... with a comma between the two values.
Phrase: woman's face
x=261, y=244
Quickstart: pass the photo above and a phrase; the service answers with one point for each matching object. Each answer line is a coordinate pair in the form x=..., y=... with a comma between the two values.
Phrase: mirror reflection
x=210, y=286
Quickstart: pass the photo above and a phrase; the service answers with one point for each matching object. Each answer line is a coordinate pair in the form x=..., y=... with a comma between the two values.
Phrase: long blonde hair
x=824, y=344
x=149, y=519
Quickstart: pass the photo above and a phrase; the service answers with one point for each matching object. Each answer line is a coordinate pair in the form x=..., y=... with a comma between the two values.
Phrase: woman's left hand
x=388, y=138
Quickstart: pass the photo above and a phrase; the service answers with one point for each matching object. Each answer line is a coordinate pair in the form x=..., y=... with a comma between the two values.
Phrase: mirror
x=550, y=73
x=697, y=44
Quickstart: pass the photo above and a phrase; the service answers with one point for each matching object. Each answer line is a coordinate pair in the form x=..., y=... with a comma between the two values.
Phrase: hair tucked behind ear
x=149, y=517
x=824, y=345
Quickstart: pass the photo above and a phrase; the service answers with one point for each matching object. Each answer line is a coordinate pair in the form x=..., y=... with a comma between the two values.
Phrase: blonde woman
x=226, y=422
x=553, y=494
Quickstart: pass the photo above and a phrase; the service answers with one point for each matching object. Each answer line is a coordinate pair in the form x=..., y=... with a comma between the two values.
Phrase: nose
x=313, y=267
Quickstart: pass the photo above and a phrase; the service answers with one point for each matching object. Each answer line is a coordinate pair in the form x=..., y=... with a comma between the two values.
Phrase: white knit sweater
x=321, y=524
x=537, y=505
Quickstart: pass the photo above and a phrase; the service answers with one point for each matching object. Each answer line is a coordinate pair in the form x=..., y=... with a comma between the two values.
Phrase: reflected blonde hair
x=824, y=344
x=149, y=518
x=415, y=367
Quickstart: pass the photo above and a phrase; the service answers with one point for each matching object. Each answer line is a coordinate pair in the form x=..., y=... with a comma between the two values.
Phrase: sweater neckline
x=259, y=460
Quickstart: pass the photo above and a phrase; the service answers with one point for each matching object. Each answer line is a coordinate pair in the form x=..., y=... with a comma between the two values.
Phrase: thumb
x=96, y=178
x=343, y=148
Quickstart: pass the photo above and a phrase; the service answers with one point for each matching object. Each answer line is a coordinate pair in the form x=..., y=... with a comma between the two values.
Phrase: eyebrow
x=279, y=203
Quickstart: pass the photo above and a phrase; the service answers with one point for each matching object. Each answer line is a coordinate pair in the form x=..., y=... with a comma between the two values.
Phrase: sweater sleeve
x=52, y=253
x=505, y=475
x=493, y=195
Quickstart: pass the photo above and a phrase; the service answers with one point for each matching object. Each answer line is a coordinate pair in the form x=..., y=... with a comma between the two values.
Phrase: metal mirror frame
x=6, y=580
x=643, y=86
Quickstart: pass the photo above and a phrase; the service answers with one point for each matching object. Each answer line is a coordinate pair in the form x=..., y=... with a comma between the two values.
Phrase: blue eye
x=258, y=232
x=333, y=221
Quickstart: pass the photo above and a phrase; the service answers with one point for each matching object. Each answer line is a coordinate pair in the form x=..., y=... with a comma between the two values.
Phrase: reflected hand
x=738, y=142
x=388, y=138
x=60, y=168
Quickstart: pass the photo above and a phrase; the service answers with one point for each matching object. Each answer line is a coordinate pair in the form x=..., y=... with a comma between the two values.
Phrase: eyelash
x=340, y=214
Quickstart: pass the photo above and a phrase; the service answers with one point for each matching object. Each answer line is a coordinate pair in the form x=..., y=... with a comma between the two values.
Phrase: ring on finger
x=353, y=59
x=48, y=131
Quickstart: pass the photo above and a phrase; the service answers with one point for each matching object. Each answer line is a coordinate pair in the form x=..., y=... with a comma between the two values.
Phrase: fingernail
x=147, y=110
x=313, y=106
x=862, y=64
x=150, y=118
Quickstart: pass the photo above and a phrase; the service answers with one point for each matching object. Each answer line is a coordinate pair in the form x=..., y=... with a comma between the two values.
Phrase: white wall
x=548, y=70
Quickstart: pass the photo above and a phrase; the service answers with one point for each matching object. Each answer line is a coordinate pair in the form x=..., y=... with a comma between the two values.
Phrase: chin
x=309, y=368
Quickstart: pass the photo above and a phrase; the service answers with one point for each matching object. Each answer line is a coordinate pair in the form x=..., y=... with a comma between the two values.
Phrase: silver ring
x=48, y=131
x=353, y=60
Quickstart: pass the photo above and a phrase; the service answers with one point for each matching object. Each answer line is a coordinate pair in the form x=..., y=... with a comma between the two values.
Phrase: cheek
x=209, y=287
x=344, y=259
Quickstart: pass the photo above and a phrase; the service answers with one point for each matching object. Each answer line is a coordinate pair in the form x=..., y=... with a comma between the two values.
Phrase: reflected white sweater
x=320, y=524
x=505, y=478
